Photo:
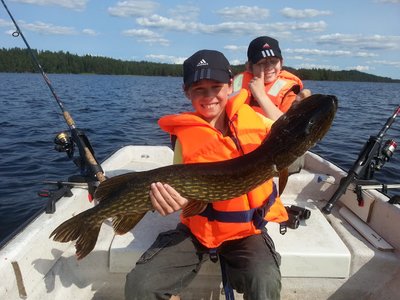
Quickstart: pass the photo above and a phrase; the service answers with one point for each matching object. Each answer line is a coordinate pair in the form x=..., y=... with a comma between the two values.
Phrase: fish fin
x=193, y=208
x=69, y=230
x=86, y=242
x=122, y=224
x=113, y=185
x=283, y=179
x=77, y=229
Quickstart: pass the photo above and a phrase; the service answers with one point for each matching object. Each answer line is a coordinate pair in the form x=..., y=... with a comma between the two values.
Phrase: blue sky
x=337, y=35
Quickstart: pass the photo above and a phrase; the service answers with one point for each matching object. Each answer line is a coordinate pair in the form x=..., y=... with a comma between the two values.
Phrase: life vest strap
x=228, y=290
x=255, y=214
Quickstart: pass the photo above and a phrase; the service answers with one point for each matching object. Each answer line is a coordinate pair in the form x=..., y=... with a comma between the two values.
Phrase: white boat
x=352, y=253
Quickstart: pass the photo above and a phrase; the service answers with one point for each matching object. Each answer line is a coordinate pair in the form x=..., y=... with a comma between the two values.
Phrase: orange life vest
x=282, y=91
x=203, y=143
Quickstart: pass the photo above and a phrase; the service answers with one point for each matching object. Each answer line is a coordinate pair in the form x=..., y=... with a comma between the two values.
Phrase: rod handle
x=69, y=120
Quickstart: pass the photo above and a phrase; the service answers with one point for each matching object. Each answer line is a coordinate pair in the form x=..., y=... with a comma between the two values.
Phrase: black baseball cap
x=206, y=64
x=262, y=47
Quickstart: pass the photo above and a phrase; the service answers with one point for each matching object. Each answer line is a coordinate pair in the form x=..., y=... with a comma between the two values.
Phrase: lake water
x=115, y=111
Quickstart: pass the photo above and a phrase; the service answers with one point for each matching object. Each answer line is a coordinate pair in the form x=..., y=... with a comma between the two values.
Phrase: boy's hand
x=257, y=87
x=303, y=94
x=165, y=199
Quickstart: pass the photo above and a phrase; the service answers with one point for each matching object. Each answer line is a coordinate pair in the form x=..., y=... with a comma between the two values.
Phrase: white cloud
x=243, y=12
x=156, y=41
x=166, y=58
x=72, y=4
x=90, y=32
x=237, y=27
x=388, y=1
x=298, y=57
x=165, y=23
x=241, y=28
x=303, y=13
x=391, y=63
x=140, y=33
x=319, y=52
x=184, y=12
x=307, y=26
x=372, y=42
x=134, y=8
x=48, y=28
x=4, y=23
x=234, y=48
x=147, y=36
x=360, y=68
x=235, y=62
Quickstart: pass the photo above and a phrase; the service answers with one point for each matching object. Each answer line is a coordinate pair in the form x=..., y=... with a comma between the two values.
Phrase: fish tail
x=78, y=228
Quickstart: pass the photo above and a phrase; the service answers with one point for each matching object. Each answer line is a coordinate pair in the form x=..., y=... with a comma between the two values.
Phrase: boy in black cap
x=206, y=64
x=271, y=88
x=231, y=231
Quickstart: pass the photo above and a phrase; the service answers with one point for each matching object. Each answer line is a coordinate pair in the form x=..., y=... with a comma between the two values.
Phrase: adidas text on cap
x=263, y=47
x=206, y=64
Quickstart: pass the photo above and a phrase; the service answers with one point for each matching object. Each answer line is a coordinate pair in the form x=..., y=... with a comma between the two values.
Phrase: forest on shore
x=17, y=60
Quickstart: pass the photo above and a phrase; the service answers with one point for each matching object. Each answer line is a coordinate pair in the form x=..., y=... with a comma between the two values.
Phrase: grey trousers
x=172, y=262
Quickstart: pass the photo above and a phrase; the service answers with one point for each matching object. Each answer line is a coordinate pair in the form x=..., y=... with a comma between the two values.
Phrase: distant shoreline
x=18, y=60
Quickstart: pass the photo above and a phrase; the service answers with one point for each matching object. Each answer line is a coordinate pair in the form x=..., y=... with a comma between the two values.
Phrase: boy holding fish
x=221, y=127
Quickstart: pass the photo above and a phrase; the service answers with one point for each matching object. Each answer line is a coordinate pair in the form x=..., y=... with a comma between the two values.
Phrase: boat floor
x=325, y=258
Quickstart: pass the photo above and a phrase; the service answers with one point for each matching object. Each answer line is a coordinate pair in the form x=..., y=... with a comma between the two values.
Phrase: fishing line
x=82, y=142
x=17, y=33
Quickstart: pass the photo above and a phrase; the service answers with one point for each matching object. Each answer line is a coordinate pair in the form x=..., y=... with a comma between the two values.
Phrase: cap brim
x=263, y=54
x=222, y=76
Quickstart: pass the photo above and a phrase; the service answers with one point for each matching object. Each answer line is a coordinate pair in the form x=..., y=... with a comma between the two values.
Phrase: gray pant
x=171, y=263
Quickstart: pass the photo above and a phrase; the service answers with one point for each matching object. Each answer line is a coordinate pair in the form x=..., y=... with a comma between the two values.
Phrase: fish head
x=301, y=127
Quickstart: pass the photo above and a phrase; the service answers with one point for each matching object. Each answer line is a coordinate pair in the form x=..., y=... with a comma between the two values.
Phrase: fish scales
x=125, y=198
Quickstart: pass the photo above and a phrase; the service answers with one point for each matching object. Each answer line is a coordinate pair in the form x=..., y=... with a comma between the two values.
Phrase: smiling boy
x=272, y=90
x=220, y=127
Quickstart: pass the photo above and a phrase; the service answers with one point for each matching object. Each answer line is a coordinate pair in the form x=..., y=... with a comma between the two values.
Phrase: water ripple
x=115, y=111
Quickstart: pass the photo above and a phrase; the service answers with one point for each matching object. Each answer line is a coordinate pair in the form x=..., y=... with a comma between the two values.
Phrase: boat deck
x=325, y=257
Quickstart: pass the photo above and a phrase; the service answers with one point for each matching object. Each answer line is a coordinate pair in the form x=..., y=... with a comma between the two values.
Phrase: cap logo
x=202, y=62
x=267, y=53
x=266, y=46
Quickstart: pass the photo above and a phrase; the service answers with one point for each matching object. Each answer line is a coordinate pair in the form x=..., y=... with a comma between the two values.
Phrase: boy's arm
x=258, y=91
x=164, y=198
x=267, y=122
x=291, y=97
x=178, y=159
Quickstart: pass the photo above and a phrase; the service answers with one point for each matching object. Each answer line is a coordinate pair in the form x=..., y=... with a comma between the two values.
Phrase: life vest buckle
x=282, y=228
x=213, y=255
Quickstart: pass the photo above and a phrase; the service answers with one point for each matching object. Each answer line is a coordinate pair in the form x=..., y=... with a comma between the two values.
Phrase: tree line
x=17, y=60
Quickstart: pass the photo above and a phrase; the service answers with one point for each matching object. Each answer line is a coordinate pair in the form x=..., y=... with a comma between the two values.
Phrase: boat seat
x=296, y=166
x=312, y=250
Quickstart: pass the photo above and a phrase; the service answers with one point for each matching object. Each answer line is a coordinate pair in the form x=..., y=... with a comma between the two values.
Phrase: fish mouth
x=334, y=101
x=327, y=110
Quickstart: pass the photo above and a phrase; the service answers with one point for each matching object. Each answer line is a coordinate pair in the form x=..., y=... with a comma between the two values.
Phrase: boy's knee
x=136, y=287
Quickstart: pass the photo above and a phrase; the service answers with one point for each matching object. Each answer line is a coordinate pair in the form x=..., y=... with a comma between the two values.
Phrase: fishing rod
x=64, y=143
x=372, y=157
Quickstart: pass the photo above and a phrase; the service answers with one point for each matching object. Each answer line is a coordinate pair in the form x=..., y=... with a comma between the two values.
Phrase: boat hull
x=326, y=257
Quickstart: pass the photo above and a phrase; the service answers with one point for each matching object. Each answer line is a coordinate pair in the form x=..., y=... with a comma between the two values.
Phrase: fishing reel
x=64, y=143
x=385, y=154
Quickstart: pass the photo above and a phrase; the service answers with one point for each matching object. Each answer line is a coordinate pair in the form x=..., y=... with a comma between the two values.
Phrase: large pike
x=125, y=198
